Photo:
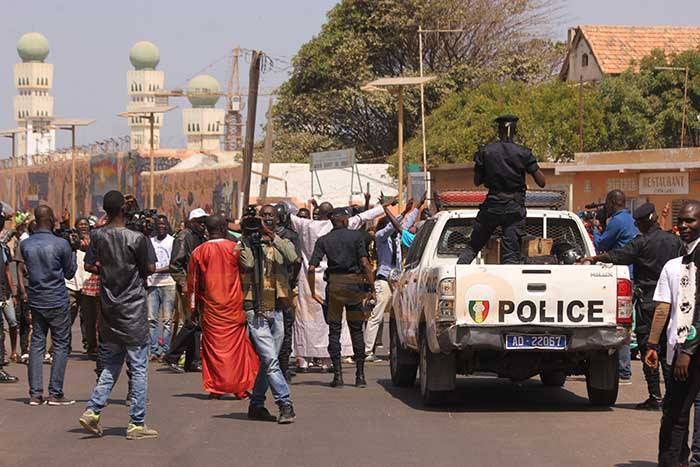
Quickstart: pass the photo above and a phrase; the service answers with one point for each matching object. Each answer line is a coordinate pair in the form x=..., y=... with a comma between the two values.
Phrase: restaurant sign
x=671, y=183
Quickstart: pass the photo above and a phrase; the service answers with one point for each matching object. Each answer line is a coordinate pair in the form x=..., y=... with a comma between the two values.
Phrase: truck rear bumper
x=454, y=337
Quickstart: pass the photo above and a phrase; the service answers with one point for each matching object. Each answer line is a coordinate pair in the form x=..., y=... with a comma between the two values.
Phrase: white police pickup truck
x=516, y=321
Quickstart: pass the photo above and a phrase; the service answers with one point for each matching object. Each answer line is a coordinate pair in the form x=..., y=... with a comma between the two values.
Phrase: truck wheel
x=602, y=379
x=437, y=374
x=402, y=362
x=553, y=378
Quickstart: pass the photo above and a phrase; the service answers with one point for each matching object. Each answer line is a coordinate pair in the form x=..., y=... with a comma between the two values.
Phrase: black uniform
x=288, y=311
x=648, y=253
x=502, y=167
x=346, y=287
x=188, y=338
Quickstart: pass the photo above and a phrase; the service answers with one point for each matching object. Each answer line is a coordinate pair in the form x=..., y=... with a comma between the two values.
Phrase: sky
x=89, y=44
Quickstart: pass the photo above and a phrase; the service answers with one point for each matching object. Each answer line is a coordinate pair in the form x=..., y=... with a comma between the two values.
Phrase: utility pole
x=267, y=155
x=580, y=114
x=253, y=82
x=232, y=122
x=685, y=95
x=685, y=107
x=422, y=31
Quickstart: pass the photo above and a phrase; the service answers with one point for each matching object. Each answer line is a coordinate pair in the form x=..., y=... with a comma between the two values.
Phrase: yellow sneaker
x=140, y=432
x=91, y=422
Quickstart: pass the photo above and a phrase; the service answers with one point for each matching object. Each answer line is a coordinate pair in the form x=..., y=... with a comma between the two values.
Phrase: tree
x=366, y=39
x=548, y=123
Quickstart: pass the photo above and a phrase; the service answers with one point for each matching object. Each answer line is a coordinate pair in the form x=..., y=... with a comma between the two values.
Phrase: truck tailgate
x=527, y=295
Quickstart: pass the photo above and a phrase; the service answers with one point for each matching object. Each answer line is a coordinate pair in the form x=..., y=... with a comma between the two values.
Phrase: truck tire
x=553, y=378
x=437, y=374
x=602, y=380
x=402, y=362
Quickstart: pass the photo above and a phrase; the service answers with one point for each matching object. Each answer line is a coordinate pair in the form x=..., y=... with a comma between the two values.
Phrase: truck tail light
x=624, y=301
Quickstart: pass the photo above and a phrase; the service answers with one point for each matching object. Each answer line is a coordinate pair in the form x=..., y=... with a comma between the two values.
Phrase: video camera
x=141, y=221
x=250, y=222
x=70, y=235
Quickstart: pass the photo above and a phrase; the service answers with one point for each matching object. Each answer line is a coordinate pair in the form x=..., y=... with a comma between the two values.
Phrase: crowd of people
x=240, y=301
x=248, y=304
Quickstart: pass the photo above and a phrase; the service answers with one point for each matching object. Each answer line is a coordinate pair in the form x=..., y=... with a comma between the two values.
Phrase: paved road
x=492, y=423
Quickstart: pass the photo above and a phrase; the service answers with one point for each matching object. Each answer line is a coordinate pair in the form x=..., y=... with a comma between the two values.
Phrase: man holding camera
x=266, y=259
x=49, y=260
x=188, y=338
x=349, y=277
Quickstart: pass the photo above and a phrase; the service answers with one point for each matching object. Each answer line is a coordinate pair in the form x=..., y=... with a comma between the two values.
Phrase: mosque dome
x=144, y=55
x=200, y=91
x=33, y=47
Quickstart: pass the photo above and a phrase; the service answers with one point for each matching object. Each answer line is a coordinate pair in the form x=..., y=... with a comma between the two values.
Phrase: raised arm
x=356, y=222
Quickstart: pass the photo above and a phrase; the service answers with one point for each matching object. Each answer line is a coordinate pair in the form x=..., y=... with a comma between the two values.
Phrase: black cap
x=338, y=212
x=503, y=119
x=644, y=211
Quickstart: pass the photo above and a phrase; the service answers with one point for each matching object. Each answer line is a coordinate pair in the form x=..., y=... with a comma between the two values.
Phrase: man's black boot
x=337, y=375
x=653, y=404
x=360, y=381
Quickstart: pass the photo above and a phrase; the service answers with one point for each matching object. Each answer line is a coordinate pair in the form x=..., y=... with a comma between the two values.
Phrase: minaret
x=203, y=124
x=33, y=79
x=142, y=84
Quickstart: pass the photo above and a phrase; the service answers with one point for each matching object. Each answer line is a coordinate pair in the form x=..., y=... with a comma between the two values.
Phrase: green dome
x=200, y=90
x=33, y=47
x=144, y=55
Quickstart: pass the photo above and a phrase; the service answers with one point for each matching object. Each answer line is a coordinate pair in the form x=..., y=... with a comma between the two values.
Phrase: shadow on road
x=205, y=397
x=497, y=395
x=637, y=464
x=113, y=431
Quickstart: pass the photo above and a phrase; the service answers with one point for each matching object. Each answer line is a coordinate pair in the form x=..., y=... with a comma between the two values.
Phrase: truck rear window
x=456, y=233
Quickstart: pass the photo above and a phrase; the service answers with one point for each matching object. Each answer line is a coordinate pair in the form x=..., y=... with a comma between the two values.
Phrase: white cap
x=197, y=213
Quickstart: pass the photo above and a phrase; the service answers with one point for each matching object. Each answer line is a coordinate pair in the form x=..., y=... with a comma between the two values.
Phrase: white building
x=143, y=82
x=33, y=104
x=203, y=124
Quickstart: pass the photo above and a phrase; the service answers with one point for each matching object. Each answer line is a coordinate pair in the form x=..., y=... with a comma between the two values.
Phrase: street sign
x=340, y=159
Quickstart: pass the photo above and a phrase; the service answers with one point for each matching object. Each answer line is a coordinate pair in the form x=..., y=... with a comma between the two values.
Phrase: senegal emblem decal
x=478, y=310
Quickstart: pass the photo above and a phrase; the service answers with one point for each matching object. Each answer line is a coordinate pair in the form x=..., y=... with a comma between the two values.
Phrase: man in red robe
x=229, y=362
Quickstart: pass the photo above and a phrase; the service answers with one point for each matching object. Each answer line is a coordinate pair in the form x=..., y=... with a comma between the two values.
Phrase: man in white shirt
x=161, y=291
x=676, y=296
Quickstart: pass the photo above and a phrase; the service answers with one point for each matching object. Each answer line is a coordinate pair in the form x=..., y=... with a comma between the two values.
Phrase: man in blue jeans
x=266, y=292
x=124, y=259
x=49, y=260
x=619, y=231
x=161, y=291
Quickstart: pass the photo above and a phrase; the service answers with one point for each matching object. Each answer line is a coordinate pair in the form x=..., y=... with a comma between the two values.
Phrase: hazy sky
x=90, y=41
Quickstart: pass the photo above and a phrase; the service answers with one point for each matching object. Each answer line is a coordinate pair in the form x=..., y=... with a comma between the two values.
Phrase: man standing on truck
x=619, y=230
x=648, y=253
x=501, y=167
x=678, y=301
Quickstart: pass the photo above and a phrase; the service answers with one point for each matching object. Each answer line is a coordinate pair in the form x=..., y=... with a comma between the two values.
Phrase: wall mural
x=177, y=192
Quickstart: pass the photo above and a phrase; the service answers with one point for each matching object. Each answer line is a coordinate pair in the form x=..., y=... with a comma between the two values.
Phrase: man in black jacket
x=678, y=303
x=648, y=253
x=188, y=338
x=123, y=259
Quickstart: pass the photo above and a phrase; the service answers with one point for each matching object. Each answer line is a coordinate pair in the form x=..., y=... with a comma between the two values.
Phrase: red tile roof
x=615, y=47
